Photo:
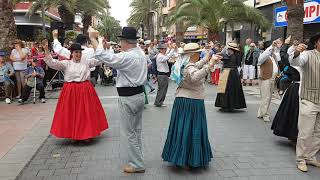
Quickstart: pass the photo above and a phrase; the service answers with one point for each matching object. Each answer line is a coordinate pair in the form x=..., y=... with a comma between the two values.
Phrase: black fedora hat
x=75, y=47
x=313, y=41
x=129, y=33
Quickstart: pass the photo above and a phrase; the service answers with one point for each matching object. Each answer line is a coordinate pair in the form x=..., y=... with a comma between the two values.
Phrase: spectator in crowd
x=215, y=74
x=107, y=46
x=19, y=58
x=180, y=48
x=206, y=50
x=6, y=71
x=218, y=47
x=34, y=76
x=35, y=49
x=260, y=50
x=116, y=49
x=173, y=59
x=246, y=48
x=250, y=61
x=24, y=44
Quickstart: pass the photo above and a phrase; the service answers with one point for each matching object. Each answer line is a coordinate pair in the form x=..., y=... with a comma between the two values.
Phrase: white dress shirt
x=162, y=61
x=131, y=65
x=302, y=59
x=73, y=71
x=110, y=50
x=87, y=53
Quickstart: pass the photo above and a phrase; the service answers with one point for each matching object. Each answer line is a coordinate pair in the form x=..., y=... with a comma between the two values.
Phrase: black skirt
x=285, y=123
x=233, y=98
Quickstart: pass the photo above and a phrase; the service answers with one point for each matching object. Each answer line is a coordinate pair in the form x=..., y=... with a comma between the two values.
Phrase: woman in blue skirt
x=187, y=143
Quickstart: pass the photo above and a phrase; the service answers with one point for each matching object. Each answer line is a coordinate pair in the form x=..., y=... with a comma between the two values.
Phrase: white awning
x=35, y=20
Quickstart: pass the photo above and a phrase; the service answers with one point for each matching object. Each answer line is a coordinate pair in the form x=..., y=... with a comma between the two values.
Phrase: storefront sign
x=311, y=11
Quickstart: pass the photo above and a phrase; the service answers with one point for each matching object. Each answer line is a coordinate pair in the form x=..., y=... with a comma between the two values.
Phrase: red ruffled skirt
x=79, y=114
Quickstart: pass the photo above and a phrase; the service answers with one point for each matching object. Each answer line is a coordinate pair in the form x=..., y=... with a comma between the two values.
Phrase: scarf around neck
x=178, y=68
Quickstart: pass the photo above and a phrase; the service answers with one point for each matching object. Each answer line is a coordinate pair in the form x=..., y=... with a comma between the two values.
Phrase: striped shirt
x=310, y=63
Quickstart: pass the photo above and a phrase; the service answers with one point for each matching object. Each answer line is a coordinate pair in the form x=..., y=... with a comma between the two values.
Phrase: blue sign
x=311, y=14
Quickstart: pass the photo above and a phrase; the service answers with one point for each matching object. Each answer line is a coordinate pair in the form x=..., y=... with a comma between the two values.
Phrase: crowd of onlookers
x=248, y=67
x=23, y=68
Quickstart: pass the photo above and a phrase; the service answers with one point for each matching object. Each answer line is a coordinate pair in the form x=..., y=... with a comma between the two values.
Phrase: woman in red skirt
x=79, y=114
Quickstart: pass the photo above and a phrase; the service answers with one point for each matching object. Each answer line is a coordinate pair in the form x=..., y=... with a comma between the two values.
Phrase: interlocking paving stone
x=45, y=172
x=244, y=148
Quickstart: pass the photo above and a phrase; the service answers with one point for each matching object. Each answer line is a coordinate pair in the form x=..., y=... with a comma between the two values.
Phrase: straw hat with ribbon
x=233, y=46
x=191, y=48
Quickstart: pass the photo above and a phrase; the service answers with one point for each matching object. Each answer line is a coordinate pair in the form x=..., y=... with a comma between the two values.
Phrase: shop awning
x=35, y=20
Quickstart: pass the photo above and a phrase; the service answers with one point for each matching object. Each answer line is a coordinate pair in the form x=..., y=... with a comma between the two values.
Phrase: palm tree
x=109, y=27
x=89, y=9
x=142, y=13
x=295, y=19
x=7, y=24
x=214, y=14
x=68, y=8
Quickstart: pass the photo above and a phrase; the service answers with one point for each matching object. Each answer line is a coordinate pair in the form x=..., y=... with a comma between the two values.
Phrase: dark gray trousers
x=163, y=82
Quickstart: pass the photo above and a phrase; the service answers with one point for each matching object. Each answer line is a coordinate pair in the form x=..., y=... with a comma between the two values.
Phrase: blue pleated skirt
x=187, y=141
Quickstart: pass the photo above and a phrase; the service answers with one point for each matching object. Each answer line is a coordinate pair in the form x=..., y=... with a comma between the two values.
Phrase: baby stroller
x=106, y=76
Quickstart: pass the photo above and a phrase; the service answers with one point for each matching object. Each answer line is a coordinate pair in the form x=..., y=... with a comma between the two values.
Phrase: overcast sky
x=120, y=10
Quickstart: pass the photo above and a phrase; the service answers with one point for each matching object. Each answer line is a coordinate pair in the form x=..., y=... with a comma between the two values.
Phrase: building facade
x=268, y=8
x=29, y=27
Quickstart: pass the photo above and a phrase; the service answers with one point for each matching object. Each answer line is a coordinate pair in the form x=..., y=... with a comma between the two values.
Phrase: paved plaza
x=244, y=147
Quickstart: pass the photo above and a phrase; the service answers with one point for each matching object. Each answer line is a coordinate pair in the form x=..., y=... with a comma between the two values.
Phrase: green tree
x=89, y=9
x=109, y=27
x=214, y=14
x=142, y=12
x=68, y=8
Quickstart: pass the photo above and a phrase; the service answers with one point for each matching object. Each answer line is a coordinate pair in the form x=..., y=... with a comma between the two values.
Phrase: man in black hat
x=131, y=65
x=34, y=76
x=308, y=143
